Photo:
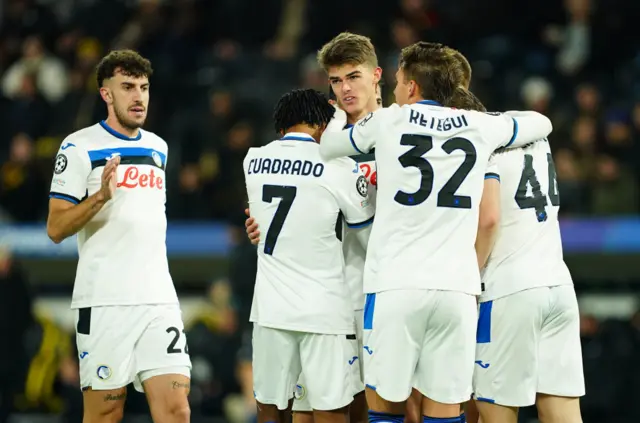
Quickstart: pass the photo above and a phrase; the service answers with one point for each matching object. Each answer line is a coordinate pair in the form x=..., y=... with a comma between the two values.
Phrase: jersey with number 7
x=297, y=199
x=431, y=165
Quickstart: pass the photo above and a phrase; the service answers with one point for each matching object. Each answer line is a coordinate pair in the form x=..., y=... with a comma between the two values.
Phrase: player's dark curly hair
x=128, y=62
x=297, y=107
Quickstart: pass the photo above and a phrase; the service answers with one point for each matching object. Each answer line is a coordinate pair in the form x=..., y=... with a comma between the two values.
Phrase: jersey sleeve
x=361, y=138
x=71, y=170
x=351, y=190
x=513, y=129
x=492, y=171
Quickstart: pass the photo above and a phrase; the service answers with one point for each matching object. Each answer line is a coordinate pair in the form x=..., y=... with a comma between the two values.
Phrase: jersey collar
x=117, y=134
x=297, y=136
x=430, y=103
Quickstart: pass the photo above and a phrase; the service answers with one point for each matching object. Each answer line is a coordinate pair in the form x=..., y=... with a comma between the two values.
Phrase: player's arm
x=489, y=220
x=359, y=139
x=514, y=129
x=351, y=190
x=68, y=212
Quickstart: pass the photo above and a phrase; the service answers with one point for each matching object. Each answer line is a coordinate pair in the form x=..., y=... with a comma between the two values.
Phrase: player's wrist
x=99, y=198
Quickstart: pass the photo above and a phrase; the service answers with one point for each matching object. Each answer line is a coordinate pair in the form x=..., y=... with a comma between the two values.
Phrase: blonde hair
x=348, y=49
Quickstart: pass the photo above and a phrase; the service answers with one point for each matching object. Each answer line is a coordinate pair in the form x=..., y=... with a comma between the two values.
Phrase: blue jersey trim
x=491, y=175
x=429, y=102
x=107, y=153
x=361, y=224
x=117, y=134
x=353, y=143
x=515, y=132
x=65, y=197
x=295, y=138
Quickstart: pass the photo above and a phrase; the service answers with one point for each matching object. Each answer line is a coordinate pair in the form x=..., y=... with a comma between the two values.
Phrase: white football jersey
x=122, y=250
x=354, y=253
x=297, y=199
x=431, y=162
x=528, y=250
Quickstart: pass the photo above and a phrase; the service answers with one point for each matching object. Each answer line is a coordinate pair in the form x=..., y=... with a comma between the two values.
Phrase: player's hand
x=252, y=229
x=110, y=178
x=339, y=120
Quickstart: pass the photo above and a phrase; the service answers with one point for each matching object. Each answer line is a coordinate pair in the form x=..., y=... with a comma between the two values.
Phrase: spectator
x=49, y=72
x=615, y=191
x=22, y=189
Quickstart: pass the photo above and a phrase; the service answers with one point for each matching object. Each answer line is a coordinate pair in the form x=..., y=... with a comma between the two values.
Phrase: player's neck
x=303, y=129
x=372, y=106
x=114, y=124
x=355, y=117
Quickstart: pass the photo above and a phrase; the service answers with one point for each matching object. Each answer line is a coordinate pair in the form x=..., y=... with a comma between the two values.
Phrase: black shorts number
x=171, y=349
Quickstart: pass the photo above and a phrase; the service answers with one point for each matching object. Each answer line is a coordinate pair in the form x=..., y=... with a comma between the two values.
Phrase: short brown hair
x=433, y=68
x=464, y=65
x=128, y=62
x=465, y=99
x=348, y=49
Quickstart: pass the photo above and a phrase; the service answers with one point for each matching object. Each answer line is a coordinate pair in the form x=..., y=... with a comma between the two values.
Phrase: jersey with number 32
x=431, y=163
x=528, y=250
x=297, y=199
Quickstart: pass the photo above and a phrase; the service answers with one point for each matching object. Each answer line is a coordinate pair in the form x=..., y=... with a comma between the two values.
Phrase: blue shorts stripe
x=369, y=305
x=483, y=335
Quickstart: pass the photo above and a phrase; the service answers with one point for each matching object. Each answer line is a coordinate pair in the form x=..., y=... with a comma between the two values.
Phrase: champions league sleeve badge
x=60, y=164
x=362, y=186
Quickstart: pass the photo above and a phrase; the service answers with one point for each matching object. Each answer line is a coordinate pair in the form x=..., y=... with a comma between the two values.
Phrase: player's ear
x=377, y=75
x=414, y=89
x=105, y=93
x=319, y=132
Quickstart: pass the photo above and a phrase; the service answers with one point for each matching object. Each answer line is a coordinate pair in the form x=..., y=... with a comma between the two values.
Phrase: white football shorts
x=280, y=356
x=118, y=345
x=301, y=399
x=529, y=342
x=420, y=339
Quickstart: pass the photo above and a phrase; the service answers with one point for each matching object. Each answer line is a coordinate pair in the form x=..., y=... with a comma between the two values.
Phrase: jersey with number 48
x=431, y=162
x=528, y=251
x=297, y=199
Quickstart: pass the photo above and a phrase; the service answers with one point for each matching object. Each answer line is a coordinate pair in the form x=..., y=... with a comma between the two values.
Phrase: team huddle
x=456, y=207
x=396, y=249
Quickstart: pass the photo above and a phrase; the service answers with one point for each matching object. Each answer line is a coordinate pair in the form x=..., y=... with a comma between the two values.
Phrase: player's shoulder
x=391, y=112
x=255, y=152
x=259, y=150
x=538, y=147
x=154, y=139
x=341, y=169
x=82, y=138
x=81, y=141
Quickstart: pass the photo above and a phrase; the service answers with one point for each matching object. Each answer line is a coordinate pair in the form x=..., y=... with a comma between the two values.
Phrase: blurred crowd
x=219, y=68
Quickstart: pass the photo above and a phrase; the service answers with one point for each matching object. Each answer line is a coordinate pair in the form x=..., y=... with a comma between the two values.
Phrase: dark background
x=219, y=67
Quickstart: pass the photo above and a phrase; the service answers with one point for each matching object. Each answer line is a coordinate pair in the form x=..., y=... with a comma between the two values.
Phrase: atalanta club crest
x=156, y=159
